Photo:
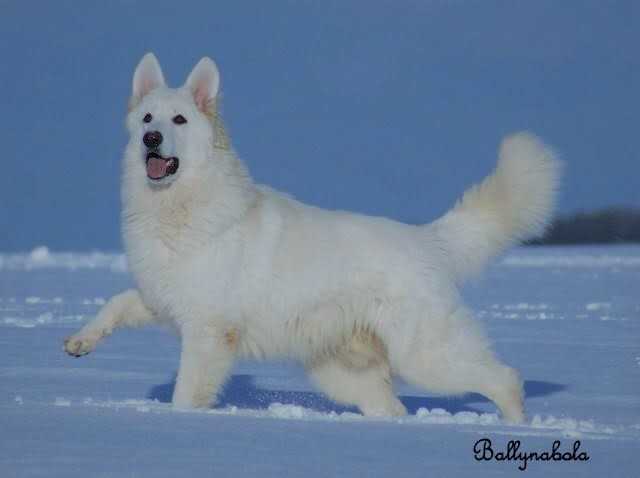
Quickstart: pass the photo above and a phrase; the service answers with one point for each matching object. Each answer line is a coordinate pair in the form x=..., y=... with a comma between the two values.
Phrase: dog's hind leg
x=453, y=357
x=207, y=356
x=125, y=309
x=358, y=374
x=369, y=389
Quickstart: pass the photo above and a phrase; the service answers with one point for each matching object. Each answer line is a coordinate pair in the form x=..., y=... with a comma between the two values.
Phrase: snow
x=567, y=318
x=42, y=258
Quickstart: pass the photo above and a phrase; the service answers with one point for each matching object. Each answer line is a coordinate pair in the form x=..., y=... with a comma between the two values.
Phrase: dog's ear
x=204, y=82
x=148, y=77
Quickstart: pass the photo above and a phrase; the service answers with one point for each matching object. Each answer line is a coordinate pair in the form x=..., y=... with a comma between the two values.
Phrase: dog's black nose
x=152, y=139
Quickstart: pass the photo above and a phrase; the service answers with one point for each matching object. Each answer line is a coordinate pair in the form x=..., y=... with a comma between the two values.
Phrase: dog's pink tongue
x=157, y=168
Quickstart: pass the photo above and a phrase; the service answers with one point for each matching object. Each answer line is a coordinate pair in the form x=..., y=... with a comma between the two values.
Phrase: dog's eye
x=179, y=119
x=147, y=118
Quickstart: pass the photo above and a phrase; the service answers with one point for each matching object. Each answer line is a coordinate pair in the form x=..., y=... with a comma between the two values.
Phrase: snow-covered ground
x=568, y=318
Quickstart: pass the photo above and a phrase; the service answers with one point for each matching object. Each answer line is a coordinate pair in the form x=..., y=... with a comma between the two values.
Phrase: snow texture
x=567, y=318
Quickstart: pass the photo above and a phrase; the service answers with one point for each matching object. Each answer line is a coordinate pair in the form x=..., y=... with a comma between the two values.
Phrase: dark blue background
x=384, y=107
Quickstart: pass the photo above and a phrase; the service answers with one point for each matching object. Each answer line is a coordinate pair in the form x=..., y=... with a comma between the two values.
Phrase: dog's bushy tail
x=513, y=204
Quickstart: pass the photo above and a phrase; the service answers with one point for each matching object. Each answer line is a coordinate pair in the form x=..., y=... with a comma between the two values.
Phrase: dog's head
x=171, y=129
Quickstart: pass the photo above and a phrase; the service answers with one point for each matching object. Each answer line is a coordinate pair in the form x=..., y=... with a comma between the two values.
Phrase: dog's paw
x=79, y=345
x=392, y=408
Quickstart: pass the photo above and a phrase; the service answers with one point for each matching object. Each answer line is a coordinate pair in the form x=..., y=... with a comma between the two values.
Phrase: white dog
x=244, y=271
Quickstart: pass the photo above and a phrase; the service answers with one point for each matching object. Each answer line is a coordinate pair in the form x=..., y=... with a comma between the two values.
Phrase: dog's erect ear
x=204, y=82
x=148, y=77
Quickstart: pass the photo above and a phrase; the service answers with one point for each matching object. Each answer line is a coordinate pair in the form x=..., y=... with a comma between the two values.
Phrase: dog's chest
x=183, y=281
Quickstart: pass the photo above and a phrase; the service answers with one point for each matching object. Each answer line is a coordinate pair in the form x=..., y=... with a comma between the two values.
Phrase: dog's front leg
x=125, y=309
x=207, y=355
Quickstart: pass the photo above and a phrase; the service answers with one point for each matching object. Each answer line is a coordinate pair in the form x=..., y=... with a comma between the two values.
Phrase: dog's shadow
x=241, y=391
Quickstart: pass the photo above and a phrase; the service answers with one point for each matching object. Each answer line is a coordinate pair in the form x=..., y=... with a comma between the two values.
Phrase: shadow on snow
x=241, y=391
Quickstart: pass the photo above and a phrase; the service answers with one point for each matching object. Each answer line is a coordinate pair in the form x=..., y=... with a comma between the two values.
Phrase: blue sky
x=383, y=107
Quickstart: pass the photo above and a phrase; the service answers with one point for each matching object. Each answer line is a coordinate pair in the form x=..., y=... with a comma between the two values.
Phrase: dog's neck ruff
x=222, y=141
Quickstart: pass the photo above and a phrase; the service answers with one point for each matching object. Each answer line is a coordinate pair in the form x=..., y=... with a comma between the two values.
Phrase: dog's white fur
x=244, y=271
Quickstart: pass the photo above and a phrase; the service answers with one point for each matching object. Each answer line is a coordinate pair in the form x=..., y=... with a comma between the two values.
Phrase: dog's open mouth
x=159, y=167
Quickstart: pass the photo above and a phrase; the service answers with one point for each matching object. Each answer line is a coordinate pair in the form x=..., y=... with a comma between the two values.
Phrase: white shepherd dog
x=244, y=271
